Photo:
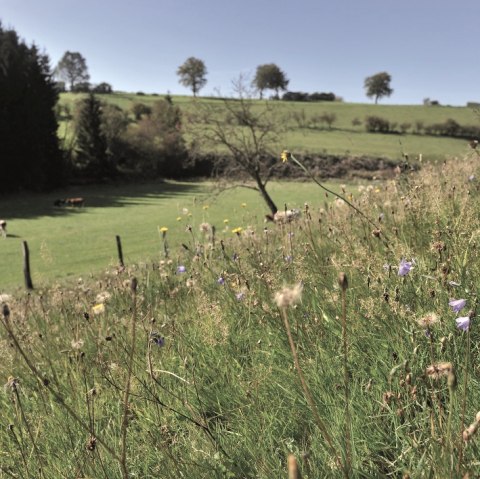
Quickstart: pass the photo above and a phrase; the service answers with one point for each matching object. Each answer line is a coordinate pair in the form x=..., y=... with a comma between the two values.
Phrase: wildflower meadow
x=342, y=343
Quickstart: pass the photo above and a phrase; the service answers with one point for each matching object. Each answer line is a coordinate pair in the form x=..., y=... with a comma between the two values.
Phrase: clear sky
x=430, y=47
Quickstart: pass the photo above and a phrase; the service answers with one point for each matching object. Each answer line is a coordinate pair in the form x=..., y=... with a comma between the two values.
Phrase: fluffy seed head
x=288, y=296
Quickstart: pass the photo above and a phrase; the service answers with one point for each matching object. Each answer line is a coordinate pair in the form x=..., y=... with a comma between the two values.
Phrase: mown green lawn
x=72, y=242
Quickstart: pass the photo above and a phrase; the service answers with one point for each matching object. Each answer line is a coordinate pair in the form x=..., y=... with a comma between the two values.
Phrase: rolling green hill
x=306, y=134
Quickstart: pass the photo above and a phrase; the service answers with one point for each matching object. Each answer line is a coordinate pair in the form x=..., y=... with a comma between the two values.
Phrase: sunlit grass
x=238, y=350
x=81, y=241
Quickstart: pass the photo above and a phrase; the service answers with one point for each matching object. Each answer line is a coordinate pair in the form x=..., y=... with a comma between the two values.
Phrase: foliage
x=196, y=350
x=72, y=68
x=301, y=96
x=82, y=87
x=103, y=87
x=270, y=77
x=156, y=144
x=193, y=74
x=114, y=123
x=29, y=150
x=91, y=159
x=378, y=85
x=140, y=109
x=377, y=124
x=339, y=140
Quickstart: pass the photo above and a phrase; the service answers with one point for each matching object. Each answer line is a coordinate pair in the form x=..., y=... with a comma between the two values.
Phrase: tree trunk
x=265, y=195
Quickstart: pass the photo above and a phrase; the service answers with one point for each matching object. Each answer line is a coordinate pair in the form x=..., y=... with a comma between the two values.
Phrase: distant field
x=73, y=242
x=344, y=138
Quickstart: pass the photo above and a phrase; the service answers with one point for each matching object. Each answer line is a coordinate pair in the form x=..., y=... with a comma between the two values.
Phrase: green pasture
x=73, y=242
x=344, y=138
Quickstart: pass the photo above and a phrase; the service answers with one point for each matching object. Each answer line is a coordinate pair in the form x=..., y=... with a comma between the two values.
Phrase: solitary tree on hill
x=193, y=74
x=72, y=68
x=378, y=86
x=270, y=77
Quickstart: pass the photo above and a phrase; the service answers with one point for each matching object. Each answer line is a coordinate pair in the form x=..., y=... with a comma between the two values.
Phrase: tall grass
x=193, y=376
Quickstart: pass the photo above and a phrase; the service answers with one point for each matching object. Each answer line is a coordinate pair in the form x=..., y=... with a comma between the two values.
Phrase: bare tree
x=248, y=129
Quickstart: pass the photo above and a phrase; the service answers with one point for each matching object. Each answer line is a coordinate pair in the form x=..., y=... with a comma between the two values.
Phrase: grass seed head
x=289, y=296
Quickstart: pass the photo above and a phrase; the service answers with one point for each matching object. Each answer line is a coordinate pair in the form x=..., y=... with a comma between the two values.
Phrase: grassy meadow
x=328, y=342
x=344, y=138
x=74, y=242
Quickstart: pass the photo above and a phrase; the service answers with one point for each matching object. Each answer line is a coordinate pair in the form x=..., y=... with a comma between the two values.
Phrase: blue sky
x=430, y=47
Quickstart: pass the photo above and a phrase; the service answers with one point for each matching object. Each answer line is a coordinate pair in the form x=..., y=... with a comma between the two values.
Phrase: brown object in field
x=3, y=228
x=75, y=201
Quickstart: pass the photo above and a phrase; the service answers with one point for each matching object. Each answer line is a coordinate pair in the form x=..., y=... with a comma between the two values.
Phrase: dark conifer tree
x=92, y=158
x=30, y=157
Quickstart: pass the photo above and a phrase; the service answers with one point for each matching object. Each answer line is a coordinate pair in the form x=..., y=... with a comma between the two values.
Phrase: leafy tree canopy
x=378, y=85
x=270, y=77
x=193, y=74
x=72, y=68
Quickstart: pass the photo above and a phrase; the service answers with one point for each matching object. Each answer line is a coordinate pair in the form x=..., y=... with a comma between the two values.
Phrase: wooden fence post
x=120, y=253
x=26, y=266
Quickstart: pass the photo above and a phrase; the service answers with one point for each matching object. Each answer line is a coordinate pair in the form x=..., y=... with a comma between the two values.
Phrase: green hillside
x=348, y=136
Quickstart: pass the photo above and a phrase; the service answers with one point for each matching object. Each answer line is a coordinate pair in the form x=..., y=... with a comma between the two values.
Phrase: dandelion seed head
x=439, y=370
x=430, y=319
x=288, y=296
x=205, y=228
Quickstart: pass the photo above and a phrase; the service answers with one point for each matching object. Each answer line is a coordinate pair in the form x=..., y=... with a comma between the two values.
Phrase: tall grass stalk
x=343, y=283
x=308, y=395
x=464, y=403
x=42, y=380
x=128, y=381
x=286, y=155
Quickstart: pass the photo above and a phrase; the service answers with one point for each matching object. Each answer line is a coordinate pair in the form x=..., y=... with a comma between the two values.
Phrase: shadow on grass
x=34, y=205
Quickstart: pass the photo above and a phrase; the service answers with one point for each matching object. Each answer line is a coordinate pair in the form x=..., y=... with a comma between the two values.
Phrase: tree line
x=72, y=68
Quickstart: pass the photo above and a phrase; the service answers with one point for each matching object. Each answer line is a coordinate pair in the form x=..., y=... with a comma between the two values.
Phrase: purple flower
x=157, y=339
x=181, y=269
x=404, y=267
x=457, y=304
x=463, y=323
x=471, y=178
x=221, y=280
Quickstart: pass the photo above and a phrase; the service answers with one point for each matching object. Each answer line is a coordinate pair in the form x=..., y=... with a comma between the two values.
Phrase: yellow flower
x=163, y=229
x=179, y=218
x=205, y=207
x=225, y=221
x=237, y=230
x=98, y=308
x=243, y=205
x=285, y=156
